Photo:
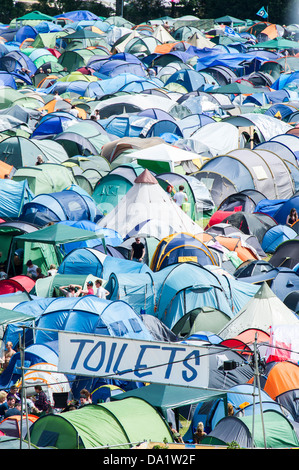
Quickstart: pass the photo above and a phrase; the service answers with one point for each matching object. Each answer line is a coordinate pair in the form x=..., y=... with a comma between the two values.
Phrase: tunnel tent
x=251, y=224
x=46, y=178
x=49, y=285
x=273, y=431
x=246, y=199
x=117, y=424
x=275, y=236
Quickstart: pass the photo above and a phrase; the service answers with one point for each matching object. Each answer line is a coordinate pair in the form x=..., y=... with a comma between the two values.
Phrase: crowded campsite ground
x=149, y=278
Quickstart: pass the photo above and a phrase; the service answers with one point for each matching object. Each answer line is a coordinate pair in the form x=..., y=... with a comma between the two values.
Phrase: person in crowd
x=72, y=290
x=39, y=160
x=14, y=408
x=292, y=217
x=85, y=398
x=101, y=292
x=89, y=290
x=53, y=270
x=176, y=435
x=31, y=269
x=3, y=404
x=199, y=433
x=40, y=401
x=138, y=250
x=8, y=353
x=180, y=196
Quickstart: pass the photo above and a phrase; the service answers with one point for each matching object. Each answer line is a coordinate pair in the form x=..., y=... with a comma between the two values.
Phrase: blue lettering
x=139, y=359
x=173, y=352
x=81, y=343
x=111, y=355
x=102, y=345
x=196, y=355
x=119, y=358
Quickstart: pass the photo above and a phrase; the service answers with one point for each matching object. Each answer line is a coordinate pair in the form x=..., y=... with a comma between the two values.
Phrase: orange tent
x=231, y=243
x=11, y=426
x=283, y=377
x=50, y=107
x=5, y=169
x=270, y=31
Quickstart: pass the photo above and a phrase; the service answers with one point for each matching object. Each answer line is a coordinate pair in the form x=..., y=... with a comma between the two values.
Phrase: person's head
x=18, y=404
x=53, y=266
x=230, y=409
x=98, y=282
x=29, y=263
x=72, y=288
x=90, y=284
x=3, y=396
x=11, y=401
x=38, y=270
x=200, y=427
x=181, y=187
x=40, y=159
x=9, y=345
x=137, y=239
x=293, y=211
x=38, y=388
x=169, y=188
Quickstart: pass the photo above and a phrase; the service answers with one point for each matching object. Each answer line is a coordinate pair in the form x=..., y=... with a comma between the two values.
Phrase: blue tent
x=275, y=236
x=284, y=210
x=7, y=80
x=64, y=205
x=92, y=261
x=13, y=196
x=25, y=32
x=52, y=124
x=189, y=79
x=78, y=15
x=112, y=68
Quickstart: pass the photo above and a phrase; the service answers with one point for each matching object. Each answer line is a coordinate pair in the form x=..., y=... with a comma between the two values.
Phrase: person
x=85, y=398
x=53, y=270
x=39, y=273
x=176, y=435
x=57, y=96
x=3, y=404
x=180, y=197
x=230, y=409
x=3, y=274
x=41, y=401
x=8, y=354
x=72, y=290
x=14, y=409
x=31, y=269
x=89, y=290
x=93, y=118
x=138, y=250
x=13, y=392
x=101, y=292
x=74, y=111
x=292, y=217
x=39, y=160
x=199, y=433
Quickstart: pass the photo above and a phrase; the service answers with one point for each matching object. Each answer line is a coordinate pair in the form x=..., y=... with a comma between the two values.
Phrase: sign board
x=130, y=359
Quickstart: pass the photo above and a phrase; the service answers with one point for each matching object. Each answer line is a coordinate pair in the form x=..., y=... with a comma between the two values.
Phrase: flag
x=262, y=12
x=230, y=31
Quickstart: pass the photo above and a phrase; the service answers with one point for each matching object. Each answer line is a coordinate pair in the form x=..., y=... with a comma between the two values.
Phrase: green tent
x=201, y=319
x=171, y=397
x=73, y=60
x=83, y=138
x=46, y=178
x=12, y=316
x=49, y=286
x=42, y=246
x=277, y=43
x=114, y=424
x=227, y=19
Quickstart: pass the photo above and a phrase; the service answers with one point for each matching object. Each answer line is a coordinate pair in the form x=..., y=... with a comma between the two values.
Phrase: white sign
x=130, y=359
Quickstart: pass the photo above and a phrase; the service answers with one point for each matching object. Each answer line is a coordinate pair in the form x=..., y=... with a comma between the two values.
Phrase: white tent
x=148, y=209
x=220, y=137
x=262, y=312
x=163, y=35
x=200, y=41
x=167, y=153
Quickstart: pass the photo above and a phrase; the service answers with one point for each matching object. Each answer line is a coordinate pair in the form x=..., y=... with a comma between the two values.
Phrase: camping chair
x=60, y=399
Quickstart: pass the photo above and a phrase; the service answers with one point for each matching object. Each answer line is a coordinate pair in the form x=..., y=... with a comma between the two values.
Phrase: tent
x=102, y=425
x=279, y=431
x=46, y=178
x=11, y=426
x=59, y=206
x=200, y=319
x=148, y=205
x=263, y=311
x=179, y=248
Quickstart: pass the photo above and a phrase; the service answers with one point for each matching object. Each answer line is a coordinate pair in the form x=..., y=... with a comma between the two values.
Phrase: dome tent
x=45, y=178
x=55, y=207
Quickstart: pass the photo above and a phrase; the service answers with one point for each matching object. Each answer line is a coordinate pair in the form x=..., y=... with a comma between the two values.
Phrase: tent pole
x=257, y=375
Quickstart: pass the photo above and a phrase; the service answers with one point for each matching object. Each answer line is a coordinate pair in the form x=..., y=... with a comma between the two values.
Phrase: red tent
x=20, y=283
